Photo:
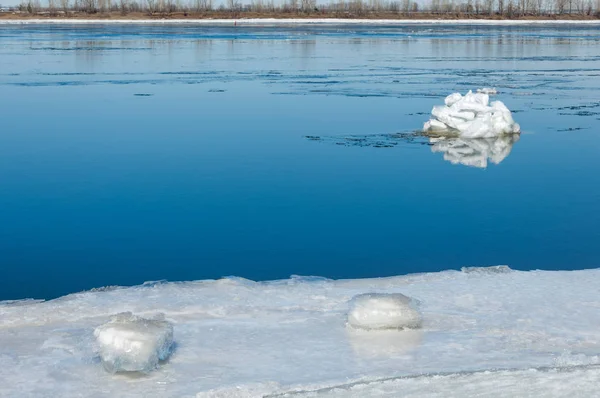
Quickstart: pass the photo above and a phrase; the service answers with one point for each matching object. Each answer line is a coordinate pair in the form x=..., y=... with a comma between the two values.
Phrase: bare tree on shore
x=203, y=5
x=234, y=5
x=52, y=7
x=539, y=7
x=308, y=5
x=501, y=7
x=358, y=8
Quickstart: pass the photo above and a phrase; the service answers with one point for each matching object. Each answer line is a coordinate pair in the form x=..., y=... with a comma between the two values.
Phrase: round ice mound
x=129, y=343
x=376, y=311
x=471, y=116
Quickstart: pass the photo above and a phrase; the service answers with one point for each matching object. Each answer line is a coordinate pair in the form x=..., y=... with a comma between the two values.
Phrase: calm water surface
x=136, y=153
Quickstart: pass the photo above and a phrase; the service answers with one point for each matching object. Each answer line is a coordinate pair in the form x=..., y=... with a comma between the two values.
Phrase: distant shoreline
x=130, y=19
x=282, y=16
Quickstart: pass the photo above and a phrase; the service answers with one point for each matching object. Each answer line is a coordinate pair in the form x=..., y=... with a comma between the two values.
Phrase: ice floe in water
x=471, y=116
x=487, y=90
x=474, y=152
x=129, y=343
x=483, y=332
x=383, y=311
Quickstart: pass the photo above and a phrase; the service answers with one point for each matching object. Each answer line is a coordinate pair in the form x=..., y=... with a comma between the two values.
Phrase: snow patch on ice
x=471, y=116
x=373, y=311
x=129, y=343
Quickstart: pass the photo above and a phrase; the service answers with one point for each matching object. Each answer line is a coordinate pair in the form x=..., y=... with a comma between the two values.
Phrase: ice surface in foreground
x=471, y=116
x=128, y=343
x=492, y=332
x=383, y=311
x=474, y=152
x=546, y=383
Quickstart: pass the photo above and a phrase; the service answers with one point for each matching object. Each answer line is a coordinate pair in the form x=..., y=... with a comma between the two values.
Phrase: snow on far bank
x=299, y=21
x=239, y=338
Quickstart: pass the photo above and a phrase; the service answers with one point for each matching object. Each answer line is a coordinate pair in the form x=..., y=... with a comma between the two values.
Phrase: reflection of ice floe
x=471, y=116
x=474, y=152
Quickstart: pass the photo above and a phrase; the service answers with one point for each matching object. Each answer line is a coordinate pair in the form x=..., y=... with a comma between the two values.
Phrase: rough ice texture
x=547, y=383
x=129, y=343
x=383, y=311
x=496, y=269
x=483, y=334
x=471, y=116
x=474, y=152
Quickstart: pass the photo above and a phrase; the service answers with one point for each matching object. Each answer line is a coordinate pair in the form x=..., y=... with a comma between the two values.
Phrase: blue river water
x=136, y=153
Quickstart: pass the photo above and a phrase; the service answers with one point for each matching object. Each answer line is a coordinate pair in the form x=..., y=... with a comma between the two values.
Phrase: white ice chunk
x=487, y=90
x=452, y=99
x=128, y=343
x=471, y=116
x=435, y=125
x=383, y=311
